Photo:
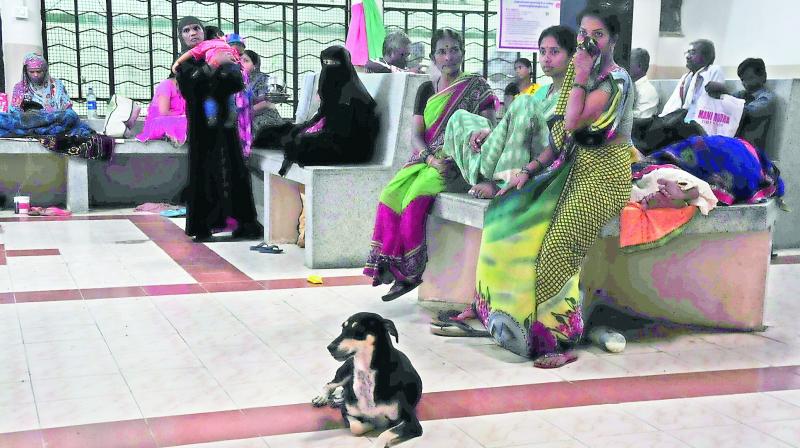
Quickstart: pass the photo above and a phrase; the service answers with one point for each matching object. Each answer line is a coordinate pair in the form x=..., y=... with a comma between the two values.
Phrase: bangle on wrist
x=580, y=86
x=530, y=171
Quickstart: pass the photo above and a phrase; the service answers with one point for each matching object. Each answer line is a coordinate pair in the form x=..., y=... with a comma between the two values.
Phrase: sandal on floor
x=400, y=288
x=175, y=213
x=458, y=329
x=271, y=249
x=450, y=316
x=554, y=360
x=55, y=211
x=265, y=248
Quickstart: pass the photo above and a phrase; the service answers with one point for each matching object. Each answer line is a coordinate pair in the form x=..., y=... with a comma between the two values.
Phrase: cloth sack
x=719, y=116
x=122, y=113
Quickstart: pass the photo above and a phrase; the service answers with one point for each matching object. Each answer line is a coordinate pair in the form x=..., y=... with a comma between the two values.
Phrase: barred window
x=126, y=47
x=670, y=24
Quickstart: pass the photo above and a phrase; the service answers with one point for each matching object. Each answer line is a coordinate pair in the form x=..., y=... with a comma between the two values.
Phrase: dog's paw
x=380, y=444
x=337, y=399
x=320, y=400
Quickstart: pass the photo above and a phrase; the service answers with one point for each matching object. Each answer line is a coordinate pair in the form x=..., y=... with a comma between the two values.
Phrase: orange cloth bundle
x=641, y=229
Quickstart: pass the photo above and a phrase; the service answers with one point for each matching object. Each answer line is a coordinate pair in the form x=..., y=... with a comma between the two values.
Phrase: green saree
x=520, y=135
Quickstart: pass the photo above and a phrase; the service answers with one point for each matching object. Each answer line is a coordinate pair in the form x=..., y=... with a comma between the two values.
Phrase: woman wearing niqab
x=344, y=128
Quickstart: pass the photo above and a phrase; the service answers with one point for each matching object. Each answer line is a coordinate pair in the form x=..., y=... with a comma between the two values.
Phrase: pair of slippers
x=49, y=211
x=173, y=213
x=265, y=248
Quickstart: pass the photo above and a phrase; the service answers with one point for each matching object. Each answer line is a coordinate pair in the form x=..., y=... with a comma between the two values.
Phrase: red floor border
x=177, y=289
x=287, y=419
x=211, y=271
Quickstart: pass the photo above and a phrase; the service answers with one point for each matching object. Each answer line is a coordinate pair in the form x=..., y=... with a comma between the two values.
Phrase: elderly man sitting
x=702, y=77
x=676, y=121
x=396, y=48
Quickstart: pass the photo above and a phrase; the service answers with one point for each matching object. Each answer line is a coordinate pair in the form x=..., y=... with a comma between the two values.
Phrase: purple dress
x=172, y=126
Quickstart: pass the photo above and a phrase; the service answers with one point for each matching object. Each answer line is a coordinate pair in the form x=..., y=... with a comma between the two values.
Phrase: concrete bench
x=340, y=200
x=713, y=275
x=137, y=172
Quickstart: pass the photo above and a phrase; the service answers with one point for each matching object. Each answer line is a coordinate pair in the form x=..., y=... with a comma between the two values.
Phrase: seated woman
x=538, y=230
x=398, y=243
x=737, y=171
x=37, y=86
x=344, y=128
x=489, y=159
x=40, y=106
x=262, y=110
x=525, y=81
x=166, y=115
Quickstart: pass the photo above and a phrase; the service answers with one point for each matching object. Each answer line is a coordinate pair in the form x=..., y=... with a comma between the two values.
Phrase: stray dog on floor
x=380, y=387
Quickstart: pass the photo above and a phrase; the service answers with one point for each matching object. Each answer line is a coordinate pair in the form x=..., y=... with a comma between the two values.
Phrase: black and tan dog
x=381, y=388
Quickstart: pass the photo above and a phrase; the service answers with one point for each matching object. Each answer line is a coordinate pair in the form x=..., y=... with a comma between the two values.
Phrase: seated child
x=218, y=54
x=510, y=92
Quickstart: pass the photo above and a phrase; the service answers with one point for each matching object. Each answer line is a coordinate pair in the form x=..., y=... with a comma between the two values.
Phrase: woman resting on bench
x=489, y=158
x=344, y=128
x=539, y=228
x=398, y=250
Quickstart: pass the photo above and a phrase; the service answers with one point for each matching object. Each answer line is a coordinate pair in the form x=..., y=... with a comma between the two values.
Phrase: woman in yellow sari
x=539, y=228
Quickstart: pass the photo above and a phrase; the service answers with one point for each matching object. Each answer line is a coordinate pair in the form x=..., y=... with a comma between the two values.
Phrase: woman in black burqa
x=344, y=128
x=219, y=182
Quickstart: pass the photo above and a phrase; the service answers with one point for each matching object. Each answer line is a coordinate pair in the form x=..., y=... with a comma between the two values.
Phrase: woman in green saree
x=489, y=158
x=539, y=228
x=398, y=250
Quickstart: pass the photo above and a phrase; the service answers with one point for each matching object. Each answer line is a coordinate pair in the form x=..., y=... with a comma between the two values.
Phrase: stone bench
x=713, y=275
x=107, y=182
x=340, y=200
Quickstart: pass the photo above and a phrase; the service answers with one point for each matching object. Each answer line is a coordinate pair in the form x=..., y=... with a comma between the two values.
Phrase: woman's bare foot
x=554, y=360
x=484, y=190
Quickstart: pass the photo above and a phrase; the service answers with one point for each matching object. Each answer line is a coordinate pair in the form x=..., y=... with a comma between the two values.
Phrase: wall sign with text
x=521, y=22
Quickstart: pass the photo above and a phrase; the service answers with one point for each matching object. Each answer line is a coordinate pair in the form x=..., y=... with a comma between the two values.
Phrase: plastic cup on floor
x=22, y=204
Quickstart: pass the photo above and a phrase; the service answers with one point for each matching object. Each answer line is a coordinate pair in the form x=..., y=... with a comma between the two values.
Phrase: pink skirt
x=170, y=126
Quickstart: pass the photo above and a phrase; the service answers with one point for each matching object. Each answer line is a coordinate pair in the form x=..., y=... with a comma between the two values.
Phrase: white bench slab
x=77, y=169
x=714, y=274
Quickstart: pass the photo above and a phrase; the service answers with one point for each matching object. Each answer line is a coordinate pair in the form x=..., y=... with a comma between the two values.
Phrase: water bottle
x=91, y=104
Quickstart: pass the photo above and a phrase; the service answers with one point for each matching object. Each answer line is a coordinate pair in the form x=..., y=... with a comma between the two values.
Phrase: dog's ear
x=389, y=326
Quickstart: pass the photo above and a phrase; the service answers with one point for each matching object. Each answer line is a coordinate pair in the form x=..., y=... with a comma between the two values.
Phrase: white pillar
x=22, y=33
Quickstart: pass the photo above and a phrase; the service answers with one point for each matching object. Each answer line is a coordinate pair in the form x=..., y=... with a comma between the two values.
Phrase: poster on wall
x=521, y=22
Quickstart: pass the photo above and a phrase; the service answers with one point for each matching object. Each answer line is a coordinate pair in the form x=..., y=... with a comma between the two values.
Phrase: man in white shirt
x=692, y=85
x=645, y=104
x=396, y=49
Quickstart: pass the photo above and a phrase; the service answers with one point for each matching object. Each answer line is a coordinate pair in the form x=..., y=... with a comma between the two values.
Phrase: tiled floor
x=116, y=331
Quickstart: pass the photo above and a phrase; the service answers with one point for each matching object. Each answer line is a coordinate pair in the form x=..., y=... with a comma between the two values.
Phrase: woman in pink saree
x=398, y=252
x=166, y=115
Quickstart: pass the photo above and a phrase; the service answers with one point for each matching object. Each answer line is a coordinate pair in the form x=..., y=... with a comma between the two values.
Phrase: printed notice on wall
x=521, y=22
